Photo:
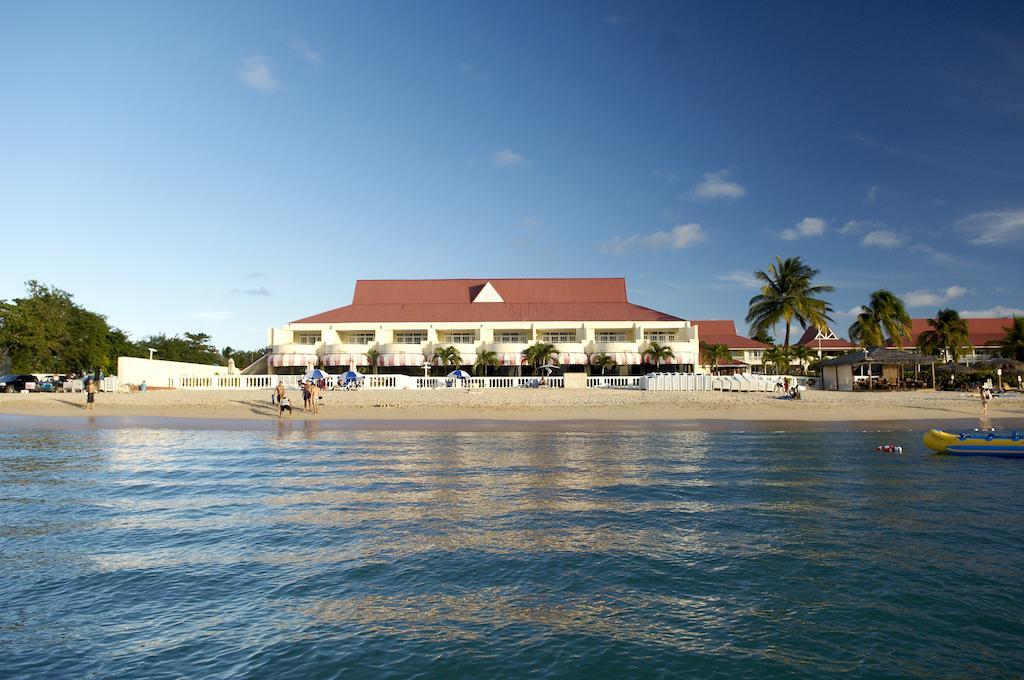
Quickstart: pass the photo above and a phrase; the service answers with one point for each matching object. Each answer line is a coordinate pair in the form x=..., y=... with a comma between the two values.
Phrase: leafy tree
x=778, y=358
x=947, y=336
x=788, y=293
x=193, y=348
x=802, y=355
x=656, y=353
x=713, y=354
x=604, y=362
x=448, y=356
x=243, y=358
x=1012, y=346
x=373, y=358
x=485, y=358
x=883, y=316
x=539, y=354
x=763, y=336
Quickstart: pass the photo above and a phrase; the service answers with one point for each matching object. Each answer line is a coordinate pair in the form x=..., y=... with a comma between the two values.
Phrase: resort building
x=984, y=335
x=746, y=353
x=403, y=322
x=825, y=343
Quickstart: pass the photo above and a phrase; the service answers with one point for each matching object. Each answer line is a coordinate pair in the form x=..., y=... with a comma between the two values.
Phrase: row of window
x=420, y=337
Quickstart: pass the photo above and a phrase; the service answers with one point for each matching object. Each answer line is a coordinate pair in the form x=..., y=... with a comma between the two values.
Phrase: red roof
x=981, y=332
x=808, y=340
x=723, y=332
x=524, y=300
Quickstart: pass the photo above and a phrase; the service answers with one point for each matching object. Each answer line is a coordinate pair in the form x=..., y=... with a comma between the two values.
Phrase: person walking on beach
x=985, y=396
x=90, y=395
x=279, y=391
x=314, y=397
x=305, y=395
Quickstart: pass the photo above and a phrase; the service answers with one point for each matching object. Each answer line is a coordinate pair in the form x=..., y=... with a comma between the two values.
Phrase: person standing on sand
x=284, y=405
x=314, y=397
x=279, y=391
x=90, y=395
x=985, y=396
x=305, y=395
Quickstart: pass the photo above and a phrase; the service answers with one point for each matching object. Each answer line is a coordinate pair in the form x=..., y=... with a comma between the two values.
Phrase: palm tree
x=448, y=356
x=802, y=355
x=1012, y=346
x=540, y=353
x=372, y=357
x=714, y=354
x=884, y=316
x=603, y=361
x=787, y=294
x=657, y=353
x=947, y=336
x=485, y=358
x=778, y=358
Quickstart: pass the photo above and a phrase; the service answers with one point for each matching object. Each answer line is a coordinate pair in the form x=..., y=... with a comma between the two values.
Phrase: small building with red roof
x=403, y=322
x=746, y=352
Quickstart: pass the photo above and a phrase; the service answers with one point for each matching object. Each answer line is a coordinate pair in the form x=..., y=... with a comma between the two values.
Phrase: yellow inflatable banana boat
x=976, y=443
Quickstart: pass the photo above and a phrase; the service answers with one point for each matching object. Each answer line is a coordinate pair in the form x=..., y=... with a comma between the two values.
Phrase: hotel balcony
x=295, y=348
x=613, y=347
x=466, y=350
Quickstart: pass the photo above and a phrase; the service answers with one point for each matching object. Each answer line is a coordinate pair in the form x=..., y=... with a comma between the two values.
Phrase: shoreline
x=517, y=410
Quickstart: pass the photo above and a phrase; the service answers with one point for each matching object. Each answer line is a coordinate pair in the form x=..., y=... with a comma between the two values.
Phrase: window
x=360, y=338
x=611, y=336
x=308, y=338
x=558, y=336
x=510, y=336
x=660, y=336
x=460, y=338
x=417, y=338
x=756, y=354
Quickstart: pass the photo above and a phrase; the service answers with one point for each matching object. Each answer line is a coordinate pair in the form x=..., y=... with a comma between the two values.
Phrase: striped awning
x=622, y=358
x=279, y=360
x=511, y=358
x=346, y=360
x=401, y=360
x=572, y=358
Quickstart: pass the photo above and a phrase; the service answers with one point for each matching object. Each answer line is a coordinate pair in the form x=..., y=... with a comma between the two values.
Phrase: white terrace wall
x=158, y=373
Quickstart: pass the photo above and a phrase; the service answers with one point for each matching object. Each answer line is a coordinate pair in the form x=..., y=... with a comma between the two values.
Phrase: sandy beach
x=533, y=405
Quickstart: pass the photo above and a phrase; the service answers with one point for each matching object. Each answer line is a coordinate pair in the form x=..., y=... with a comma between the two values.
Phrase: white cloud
x=849, y=313
x=214, y=316
x=998, y=310
x=936, y=256
x=507, y=158
x=808, y=226
x=256, y=73
x=304, y=50
x=259, y=292
x=994, y=227
x=740, y=278
x=883, y=238
x=716, y=186
x=859, y=226
x=926, y=298
x=872, y=194
x=681, y=236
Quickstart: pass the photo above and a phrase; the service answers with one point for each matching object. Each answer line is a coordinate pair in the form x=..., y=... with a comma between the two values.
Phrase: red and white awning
x=280, y=360
x=511, y=358
x=400, y=360
x=336, y=359
x=622, y=358
x=572, y=358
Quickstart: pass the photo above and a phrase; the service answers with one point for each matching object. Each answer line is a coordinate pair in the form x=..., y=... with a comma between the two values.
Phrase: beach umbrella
x=550, y=367
x=317, y=374
x=458, y=373
x=351, y=376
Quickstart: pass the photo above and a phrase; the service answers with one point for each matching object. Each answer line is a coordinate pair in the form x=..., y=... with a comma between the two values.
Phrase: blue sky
x=227, y=167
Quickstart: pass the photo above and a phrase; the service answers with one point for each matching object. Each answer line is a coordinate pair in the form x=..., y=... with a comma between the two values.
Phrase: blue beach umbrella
x=458, y=373
x=317, y=374
x=350, y=376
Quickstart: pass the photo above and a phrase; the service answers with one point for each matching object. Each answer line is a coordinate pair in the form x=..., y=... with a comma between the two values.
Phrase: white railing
x=691, y=382
x=497, y=382
x=627, y=381
x=232, y=382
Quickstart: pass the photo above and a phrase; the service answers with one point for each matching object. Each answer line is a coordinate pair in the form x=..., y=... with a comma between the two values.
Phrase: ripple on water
x=163, y=553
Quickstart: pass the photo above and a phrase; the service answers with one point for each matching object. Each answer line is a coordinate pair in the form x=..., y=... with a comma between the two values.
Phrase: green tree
x=713, y=354
x=763, y=336
x=884, y=316
x=485, y=358
x=604, y=362
x=802, y=355
x=194, y=348
x=448, y=356
x=373, y=358
x=947, y=336
x=656, y=353
x=539, y=354
x=777, y=358
x=788, y=294
x=1012, y=346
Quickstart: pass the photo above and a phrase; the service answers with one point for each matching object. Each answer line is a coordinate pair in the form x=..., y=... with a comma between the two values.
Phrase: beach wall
x=158, y=373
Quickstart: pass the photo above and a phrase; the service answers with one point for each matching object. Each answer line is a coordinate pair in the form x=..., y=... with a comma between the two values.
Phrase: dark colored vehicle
x=17, y=383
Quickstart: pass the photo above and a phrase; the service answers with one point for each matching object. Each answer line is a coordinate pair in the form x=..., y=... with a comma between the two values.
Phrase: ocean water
x=161, y=553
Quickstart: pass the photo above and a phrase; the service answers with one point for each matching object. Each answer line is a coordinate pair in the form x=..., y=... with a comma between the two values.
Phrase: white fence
x=656, y=382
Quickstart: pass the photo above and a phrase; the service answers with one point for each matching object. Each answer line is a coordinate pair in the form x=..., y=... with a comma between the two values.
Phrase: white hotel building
x=405, y=321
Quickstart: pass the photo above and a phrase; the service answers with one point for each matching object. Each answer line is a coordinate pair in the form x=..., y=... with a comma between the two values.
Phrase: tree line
x=47, y=331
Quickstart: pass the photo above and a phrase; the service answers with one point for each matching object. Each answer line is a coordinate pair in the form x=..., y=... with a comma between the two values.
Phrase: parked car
x=18, y=382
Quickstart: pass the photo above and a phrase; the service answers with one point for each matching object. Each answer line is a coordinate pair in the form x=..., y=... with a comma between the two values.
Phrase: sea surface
x=165, y=553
